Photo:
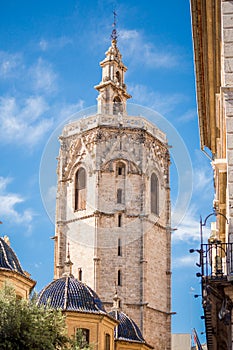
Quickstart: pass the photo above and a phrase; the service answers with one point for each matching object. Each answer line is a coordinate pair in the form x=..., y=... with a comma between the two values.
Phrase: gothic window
x=80, y=189
x=119, y=278
x=117, y=105
x=120, y=169
x=119, y=220
x=154, y=191
x=83, y=337
x=107, y=341
x=119, y=195
x=119, y=249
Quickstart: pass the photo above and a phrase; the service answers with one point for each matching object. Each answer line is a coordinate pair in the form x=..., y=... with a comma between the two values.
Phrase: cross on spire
x=114, y=31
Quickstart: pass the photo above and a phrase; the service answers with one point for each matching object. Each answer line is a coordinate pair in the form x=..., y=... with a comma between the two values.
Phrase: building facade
x=212, y=25
x=113, y=206
x=85, y=316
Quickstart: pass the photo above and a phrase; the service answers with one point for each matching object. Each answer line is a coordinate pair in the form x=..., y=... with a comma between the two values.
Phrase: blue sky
x=49, y=62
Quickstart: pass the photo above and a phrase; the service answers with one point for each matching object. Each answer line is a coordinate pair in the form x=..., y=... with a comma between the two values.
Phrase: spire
x=116, y=308
x=68, y=264
x=112, y=89
x=116, y=300
x=114, y=31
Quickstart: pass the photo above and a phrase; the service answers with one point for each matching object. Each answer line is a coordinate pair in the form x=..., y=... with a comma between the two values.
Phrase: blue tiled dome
x=8, y=258
x=69, y=294
x=127, y=328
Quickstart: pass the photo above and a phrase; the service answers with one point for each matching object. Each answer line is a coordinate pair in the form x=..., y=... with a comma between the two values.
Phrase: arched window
x=117, y=106
x=154, y=194
x=118, y=77
x=80, y=189
x=120, y=169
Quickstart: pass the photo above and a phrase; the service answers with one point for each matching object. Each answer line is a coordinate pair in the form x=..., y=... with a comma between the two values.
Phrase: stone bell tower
x=113, y=205
x=112, y=89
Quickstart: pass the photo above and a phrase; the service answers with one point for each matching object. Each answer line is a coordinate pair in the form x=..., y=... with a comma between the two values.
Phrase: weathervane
x=114, y=31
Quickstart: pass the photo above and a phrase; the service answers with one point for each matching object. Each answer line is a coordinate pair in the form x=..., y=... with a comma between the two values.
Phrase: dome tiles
x=69, y=294
x=127, y=328
x=8, y=258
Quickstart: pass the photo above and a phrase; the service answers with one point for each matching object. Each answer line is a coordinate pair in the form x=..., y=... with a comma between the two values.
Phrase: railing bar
x=217, y=260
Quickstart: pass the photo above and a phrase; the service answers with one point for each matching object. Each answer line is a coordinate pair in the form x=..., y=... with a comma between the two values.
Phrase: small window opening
x=119, y=195
x=119, y=220
x=119, y=250
x=154, y=194
x=80, y=274
x=119, y=278
x=82, y=337
x=107, y=341
x=120, y=169
x=120, y=144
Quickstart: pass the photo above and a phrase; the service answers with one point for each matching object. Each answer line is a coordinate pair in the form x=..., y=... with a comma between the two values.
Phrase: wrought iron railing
x=216, y=260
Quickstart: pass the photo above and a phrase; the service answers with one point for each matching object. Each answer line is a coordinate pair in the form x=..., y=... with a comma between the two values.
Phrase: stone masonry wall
x=227, y=19
x=94, y=233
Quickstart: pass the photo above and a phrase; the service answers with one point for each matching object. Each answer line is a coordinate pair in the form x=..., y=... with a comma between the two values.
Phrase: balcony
x=216, y=260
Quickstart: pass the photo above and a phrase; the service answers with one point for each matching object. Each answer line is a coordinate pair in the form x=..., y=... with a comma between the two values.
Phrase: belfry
x=113, y=206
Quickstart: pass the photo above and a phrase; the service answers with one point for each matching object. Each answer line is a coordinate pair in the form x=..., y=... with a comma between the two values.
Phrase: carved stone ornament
x=74, y=154
x=131, y=166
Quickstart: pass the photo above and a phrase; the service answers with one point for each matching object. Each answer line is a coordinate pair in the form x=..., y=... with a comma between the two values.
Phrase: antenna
x=114, y=31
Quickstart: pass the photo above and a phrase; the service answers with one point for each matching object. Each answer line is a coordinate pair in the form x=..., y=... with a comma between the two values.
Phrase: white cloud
x=38, y=76
x=25, y=117
x=9, y=64
x=189, y=229
x=203, y=180
x=188, y=260
x=23, y=121
x=51, y=196
x=191, y=114
x=43, y=44
x=55, y=43
x=8, y=204
x=43, y=77
x=161, y=103
x=68, y=110
x=49, y=199
x=27, y=121
x=141, y=51
x=129, y=34
x=4, y=182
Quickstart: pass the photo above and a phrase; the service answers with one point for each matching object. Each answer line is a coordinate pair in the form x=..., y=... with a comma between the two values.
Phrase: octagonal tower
x=113, y=206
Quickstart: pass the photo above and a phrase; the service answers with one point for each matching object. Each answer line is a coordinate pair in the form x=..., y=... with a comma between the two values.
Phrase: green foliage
x=25, y=326
x=79, y=343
